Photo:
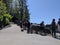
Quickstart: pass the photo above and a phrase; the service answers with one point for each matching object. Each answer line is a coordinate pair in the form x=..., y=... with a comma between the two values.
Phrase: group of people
x=26, y=24
x=54, y=26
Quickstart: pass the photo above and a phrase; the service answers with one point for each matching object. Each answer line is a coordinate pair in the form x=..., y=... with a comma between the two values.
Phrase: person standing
x=25, y=24
x=31, y=30
x=28, y=26
x=59, y=25
x=21, y=25
x=53, y=24
x=42, y=28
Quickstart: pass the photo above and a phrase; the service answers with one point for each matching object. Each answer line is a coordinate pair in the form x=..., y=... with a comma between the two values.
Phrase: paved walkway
x=13, y=36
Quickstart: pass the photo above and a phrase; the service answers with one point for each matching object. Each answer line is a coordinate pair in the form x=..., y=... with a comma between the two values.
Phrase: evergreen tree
x=24, y=10
x=20, y=11
x=27, y=15
x=2, y=9
x=3, y=13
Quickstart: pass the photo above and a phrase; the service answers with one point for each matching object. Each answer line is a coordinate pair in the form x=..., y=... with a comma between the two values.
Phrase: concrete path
x=13, y=36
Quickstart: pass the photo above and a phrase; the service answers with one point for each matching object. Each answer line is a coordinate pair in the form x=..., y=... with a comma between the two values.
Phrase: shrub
x=1, y=17
x=7, y=21
x=8, y=16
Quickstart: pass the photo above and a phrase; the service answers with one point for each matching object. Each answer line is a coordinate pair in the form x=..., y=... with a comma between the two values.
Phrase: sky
x=44, y=10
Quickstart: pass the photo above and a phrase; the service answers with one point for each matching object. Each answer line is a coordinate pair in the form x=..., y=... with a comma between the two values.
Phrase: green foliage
x=8, y=16
x=3, y=13
x=27, y=15
x=2, y=8
x=21, y=14
x=7, y=21
x=1, y=17
x=20, y=9
x=16, y=7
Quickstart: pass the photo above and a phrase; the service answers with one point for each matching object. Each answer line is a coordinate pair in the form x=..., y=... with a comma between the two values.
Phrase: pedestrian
x=53, y=24
x=31, y=28
x=59, y=25
x=21, y=25
x=28, y=26
x=25, y=25
x=42, y=28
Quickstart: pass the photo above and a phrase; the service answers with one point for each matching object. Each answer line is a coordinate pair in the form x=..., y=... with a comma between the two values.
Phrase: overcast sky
x=44, y=10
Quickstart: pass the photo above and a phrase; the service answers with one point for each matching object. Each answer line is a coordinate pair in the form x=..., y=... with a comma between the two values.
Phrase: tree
x=2, y=8
x=16, y=9
x=9, y=5
x=27, y=15
x=24, y=10
x=20, y=11
x=3, y=13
